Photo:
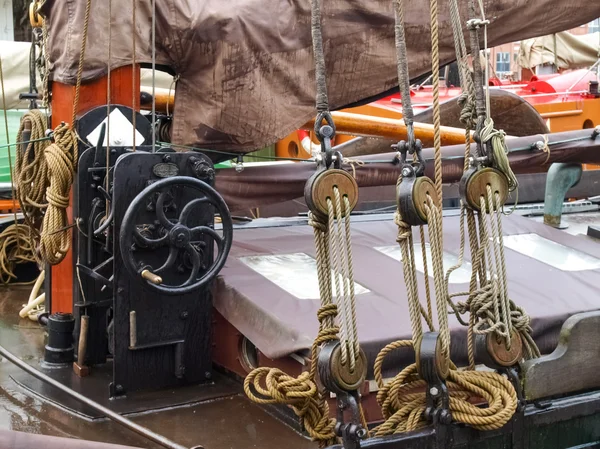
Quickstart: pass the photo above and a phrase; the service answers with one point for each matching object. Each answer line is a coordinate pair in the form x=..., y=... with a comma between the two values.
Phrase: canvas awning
x=246, y=66
x=564, y=50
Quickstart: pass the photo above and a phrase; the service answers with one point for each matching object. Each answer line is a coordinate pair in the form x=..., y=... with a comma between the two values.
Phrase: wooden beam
x=369, y=126
x=573, y=366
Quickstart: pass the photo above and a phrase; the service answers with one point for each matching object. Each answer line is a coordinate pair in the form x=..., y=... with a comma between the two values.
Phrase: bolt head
x=434, y=391
x=326, y=131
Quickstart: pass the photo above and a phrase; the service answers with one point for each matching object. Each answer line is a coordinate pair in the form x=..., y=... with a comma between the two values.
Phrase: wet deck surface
x=227, y=423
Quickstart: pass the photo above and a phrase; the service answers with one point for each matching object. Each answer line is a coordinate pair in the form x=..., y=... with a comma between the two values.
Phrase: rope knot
x=273, y=386
x=404, y=229
x=317, y=222
x=468, y=113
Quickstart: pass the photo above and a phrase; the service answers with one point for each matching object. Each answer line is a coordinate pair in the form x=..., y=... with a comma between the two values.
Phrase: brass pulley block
x=35, y=18
x=500, y=354
x=473, y=186
x=321, y=185
x=412, y=199
x=337, y=376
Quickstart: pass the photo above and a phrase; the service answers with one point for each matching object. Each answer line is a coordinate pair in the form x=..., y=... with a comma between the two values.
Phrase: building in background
x=504, y=58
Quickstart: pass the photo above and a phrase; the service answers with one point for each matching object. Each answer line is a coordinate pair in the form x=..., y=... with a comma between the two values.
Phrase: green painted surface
x=13, y=118
x=264, y=155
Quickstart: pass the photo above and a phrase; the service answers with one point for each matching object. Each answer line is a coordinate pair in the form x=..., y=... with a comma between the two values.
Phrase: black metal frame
x=159, y=341
x=568, y=422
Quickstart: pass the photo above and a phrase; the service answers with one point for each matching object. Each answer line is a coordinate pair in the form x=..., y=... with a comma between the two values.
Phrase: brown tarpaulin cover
x=279, y=323
x=246, y=66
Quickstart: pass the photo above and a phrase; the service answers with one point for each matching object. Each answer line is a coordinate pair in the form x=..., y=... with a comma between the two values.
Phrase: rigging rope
x=491, y=310
x=302, y=392
x=402, y=400
x=403, y=404
x=333, y=249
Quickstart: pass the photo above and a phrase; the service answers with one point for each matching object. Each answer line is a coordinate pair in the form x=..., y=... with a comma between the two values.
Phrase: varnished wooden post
x=93, y=94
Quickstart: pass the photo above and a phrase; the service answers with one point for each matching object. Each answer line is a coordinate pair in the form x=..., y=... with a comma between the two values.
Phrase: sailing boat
x=160, y=300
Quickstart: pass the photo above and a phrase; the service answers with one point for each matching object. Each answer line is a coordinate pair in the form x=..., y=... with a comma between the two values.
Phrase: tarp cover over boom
x=565, y=50
x=246, y=66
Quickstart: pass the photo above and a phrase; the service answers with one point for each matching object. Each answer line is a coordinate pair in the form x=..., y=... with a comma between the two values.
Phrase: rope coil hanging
x=31, y=169
x=45, y=171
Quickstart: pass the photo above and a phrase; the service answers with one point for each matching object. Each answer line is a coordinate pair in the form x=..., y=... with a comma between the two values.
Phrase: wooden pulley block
x=337, y=376
x=412, y=199
x=35, y=18
x=497, y=350
x=321, y=186
x=431, y=364
x=474, y=182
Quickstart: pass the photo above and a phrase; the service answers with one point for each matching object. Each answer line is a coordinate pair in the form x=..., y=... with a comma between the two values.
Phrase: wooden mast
x=62, y=276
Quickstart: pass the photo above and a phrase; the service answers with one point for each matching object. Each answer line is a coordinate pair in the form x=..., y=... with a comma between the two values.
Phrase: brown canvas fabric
x=246, y=67
x=279, y=323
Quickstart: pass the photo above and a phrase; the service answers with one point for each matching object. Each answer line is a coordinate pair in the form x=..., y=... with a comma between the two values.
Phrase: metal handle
x=151, y=277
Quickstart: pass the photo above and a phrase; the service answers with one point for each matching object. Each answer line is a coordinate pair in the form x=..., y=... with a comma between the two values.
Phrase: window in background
x=502, y=62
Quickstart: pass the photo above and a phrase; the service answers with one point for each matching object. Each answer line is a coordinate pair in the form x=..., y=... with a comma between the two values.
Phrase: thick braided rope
x=426, y=272
x=31, y=169
x=16, y=247
x=493, y=202
x=493, y=313
x=272, y=386
x=403, y=400
x=500, y=151
x=340, y=292
x=348, y=237
x=434, y=219
x=55, y=239
x=407, y=253
x=402, y=68
x=435, y=70
x=86, y=23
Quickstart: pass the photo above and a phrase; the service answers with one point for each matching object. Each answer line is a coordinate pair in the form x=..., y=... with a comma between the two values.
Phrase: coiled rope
x=16, y=244
x=302, y=393
x=45, y=172
x=55, y=238
x=31, y=169
x=403, y=400
x=16, y=247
